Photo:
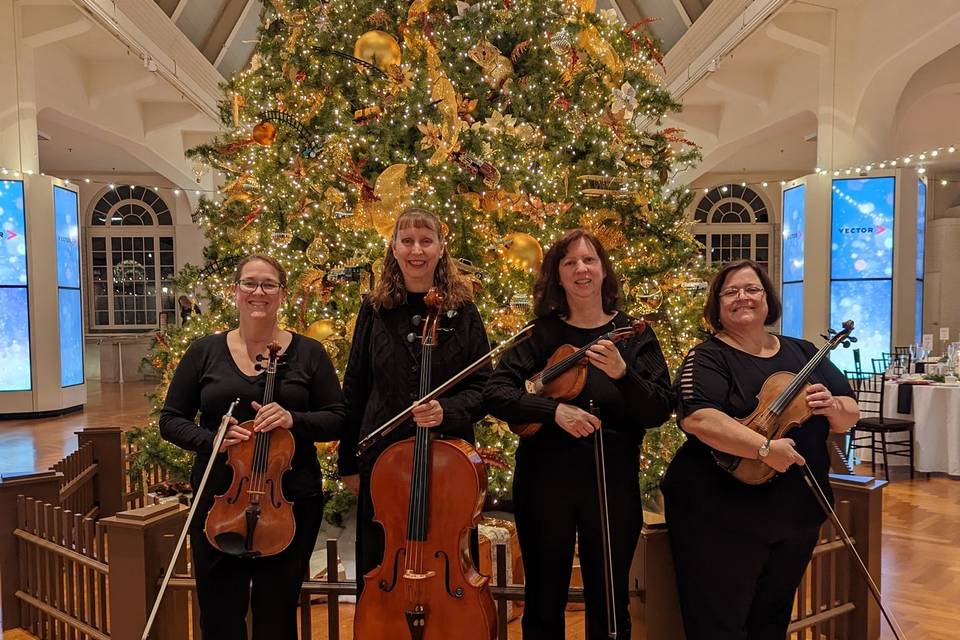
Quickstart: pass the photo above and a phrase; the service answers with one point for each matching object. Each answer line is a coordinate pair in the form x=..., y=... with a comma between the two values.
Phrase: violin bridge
x=409, y=574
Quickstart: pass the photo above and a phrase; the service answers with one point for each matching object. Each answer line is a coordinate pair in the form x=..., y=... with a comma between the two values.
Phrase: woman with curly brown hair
x=383, y=371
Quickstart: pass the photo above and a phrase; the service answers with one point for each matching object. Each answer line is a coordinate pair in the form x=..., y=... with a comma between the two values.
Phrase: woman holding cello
x=383, y=374
x=740, y=549
x=555, y=486
x=308, y=403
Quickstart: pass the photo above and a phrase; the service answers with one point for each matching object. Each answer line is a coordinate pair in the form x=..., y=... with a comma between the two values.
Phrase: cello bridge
x=410, y=574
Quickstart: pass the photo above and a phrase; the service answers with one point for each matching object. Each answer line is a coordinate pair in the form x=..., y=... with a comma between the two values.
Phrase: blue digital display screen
x=862, y=229
x=15, y=345
x=921, y=225
x=13, y=243
x=68, y=237
x=791, y=322
x=71, y=338
x=918, y=313
x=868, y=304
x=793, y=223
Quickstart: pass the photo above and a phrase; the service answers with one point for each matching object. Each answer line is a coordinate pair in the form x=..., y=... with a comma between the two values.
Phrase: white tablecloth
x=936, y=412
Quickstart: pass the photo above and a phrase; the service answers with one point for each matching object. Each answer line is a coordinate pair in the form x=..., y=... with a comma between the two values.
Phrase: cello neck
x=419, y=505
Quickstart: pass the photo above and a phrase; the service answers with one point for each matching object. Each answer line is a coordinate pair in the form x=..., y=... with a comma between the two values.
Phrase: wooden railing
x=58, y=582
x=79, y=471
x=136, y=487
x=63, y=573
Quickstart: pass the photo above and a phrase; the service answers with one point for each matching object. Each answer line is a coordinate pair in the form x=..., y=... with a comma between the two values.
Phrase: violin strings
x=558, y=368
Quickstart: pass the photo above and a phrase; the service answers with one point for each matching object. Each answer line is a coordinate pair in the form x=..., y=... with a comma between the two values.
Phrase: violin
x=782, y=406
x=565, y=374
x=253, y=518
x=427, y=494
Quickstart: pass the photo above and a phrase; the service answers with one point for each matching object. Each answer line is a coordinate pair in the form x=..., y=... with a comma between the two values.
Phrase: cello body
x=427, y=589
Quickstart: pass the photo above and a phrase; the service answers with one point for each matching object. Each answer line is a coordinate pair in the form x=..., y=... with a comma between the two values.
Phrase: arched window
x=132, y=265
x=732, y=223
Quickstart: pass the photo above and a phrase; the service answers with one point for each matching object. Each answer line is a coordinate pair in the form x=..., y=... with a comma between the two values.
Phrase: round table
x=936, y=434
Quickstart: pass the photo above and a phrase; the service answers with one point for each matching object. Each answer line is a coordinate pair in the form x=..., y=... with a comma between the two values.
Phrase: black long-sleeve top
x=627, y=407
x=207, y=380
x=383, y=375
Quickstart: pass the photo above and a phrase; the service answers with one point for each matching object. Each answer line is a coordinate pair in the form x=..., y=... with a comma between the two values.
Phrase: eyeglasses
x=733, y=293
x=269, y=287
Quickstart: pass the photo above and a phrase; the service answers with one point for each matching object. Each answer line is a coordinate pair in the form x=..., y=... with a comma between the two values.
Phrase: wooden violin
x=566, y=372
x=782, y=406
x=253, y=518
x=427, y=494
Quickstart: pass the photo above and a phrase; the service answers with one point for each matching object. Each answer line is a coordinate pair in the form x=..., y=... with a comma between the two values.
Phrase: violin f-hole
x=396, y=567
x=455, y=593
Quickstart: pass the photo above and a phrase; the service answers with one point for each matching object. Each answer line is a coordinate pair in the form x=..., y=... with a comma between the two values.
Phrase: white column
x=18, y=107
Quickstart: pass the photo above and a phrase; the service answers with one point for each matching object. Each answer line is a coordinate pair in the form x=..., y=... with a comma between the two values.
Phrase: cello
x=253, y=518
x=427, y=494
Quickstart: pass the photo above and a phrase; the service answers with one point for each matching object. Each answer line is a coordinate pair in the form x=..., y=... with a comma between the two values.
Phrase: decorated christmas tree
x=512, y=120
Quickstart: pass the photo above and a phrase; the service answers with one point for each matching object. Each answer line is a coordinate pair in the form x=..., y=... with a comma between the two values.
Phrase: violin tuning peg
x=260, y=357
x=846, y=344
x=831, y=331
x=824, y=336
x=416, y=320
x=411, y=337
x=852, y=338
x=452, y=313
x=258, y=367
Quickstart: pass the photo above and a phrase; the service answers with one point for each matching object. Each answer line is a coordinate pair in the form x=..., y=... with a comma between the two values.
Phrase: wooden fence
x=59, y=583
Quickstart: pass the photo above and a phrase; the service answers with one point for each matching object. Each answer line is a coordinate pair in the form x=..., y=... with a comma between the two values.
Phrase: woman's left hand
x=821, y=401
x=270, y=417
x=429, y=414
x=605, y=356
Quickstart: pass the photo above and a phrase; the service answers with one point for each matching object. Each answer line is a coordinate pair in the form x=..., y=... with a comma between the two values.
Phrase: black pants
x=735, y=585
x=271, y=585
x=370, y=540
x=555, y=499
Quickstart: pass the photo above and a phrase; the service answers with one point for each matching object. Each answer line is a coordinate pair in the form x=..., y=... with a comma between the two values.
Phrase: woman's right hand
x=352, y=483
x=575, y=420
x=783, y=454
x=235, y=435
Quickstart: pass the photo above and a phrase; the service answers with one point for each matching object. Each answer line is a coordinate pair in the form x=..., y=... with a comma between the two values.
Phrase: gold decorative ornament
x=607, y=225
x=316, y=252
x=599, y=49
x=393, y=196
x=497, y=67
x=265, y=133
x=379, y=48
x=321, y=329
x=649, y=295
x=522, y=250
x=282, y=238
x=587, y=5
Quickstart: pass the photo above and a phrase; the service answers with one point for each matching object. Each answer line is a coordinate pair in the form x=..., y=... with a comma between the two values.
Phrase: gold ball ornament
x=523, y=250
x=264, y=133
x=316, y=252
x=377, y=47
x=321, y=329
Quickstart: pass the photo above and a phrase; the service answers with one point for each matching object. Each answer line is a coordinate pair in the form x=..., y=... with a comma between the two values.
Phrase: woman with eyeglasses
x=212, y=373
x=577, y=301
x=382, y=377
x=740, y=550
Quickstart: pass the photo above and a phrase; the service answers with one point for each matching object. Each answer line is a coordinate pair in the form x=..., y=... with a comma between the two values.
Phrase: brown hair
x=711, y=310
x=390, y=292
x=281, y=272
x=548, y=295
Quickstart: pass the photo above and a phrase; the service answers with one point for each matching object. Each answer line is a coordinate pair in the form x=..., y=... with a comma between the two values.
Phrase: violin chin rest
x=234, y=544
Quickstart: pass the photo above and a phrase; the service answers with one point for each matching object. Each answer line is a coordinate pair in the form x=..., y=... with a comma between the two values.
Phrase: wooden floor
x=921, y=521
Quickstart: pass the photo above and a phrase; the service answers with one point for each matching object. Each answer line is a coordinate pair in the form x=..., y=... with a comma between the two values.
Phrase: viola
x=565, y=374
x=427, y=494
x=253, y=518
x=782, y=406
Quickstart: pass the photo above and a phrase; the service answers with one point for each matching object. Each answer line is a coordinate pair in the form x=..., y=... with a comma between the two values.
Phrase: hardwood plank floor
x=921, y=524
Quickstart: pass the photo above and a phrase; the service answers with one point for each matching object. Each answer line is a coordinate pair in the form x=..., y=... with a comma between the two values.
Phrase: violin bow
x=402, y=417
x=608, y=593
x=217, y=443
x=828, y=510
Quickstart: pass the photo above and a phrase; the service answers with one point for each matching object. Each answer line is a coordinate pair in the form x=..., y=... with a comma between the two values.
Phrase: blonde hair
x=390, y=292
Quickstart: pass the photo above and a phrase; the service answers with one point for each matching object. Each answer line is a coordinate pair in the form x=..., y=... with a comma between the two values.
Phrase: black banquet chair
x=872, y=429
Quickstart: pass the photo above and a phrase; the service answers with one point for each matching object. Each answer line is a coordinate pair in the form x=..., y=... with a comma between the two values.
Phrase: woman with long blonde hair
x=383, y=371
